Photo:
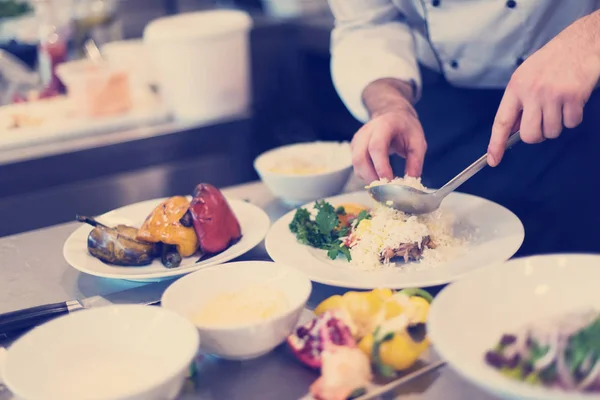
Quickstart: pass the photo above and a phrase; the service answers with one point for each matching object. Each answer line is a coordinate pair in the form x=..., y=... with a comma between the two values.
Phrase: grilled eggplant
x=118, y=245
x=170, y=257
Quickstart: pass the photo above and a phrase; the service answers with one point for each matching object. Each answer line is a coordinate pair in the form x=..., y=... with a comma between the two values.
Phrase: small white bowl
x=125, y=352
x=299, y=189
x=468, y=317
x=188, y=295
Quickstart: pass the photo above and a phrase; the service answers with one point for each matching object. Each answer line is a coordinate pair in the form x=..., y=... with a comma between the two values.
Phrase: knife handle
x=30, y=317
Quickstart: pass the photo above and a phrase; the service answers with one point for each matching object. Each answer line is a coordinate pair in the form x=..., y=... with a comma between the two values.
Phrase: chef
x=441, y=82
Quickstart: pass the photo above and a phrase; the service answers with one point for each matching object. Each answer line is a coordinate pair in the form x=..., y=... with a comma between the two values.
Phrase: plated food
x=360, y=336
x=242, y=310
x=167, y=237
x=524, y=329
x=248, y=305
x=377, y=237
x=175, y=229
x=467, y=232
x=561, y=352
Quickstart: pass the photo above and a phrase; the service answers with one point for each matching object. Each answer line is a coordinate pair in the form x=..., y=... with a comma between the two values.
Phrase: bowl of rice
x=305, y=172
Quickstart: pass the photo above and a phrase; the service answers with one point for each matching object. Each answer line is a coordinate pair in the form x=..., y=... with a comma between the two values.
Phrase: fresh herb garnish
x=384, y=370
x=322, y=232
x=364, y=214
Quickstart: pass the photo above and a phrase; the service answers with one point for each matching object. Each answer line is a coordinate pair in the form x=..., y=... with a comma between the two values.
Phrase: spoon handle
x=474, y=168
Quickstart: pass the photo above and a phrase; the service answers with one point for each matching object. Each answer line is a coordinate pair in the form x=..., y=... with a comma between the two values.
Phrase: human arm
x=550, y=89
x=375, y=72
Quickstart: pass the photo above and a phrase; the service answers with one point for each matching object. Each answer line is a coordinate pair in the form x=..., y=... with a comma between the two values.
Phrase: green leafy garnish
x=326, y=218
x=384, y=370
x=324, y=231
x=364, y=214
x=582, y=346
x=417, y=292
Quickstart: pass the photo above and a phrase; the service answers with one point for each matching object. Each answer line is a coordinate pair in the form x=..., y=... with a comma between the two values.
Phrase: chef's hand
x=549, y=90
x=394, y=128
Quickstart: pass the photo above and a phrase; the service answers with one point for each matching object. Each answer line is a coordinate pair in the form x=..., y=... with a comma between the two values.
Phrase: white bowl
x=125, y=352
x=187, y=296
x=299, y=189
x=468, y=317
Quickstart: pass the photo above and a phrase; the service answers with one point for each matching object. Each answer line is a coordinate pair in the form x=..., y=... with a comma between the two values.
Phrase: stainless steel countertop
x=33, y=272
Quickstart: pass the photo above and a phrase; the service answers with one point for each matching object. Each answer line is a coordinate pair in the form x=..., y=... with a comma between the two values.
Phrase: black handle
x=30, y=317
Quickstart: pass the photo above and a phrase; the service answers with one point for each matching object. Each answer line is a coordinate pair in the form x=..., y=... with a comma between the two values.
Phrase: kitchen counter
x=34, y=272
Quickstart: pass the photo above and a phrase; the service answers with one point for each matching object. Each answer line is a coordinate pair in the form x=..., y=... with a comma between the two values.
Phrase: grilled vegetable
x=170, y=257
x=118, y=245
x=215, y=223
x=164, y=225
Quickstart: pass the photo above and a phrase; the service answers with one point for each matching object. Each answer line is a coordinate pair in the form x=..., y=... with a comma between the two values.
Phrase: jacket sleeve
x=370, y=41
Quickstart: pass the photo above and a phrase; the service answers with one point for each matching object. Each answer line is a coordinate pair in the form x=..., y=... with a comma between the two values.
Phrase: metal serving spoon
x=414, y=201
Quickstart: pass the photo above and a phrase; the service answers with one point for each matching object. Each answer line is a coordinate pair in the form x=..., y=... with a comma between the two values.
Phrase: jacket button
x=435, y=3
x=511, y=4
x=454, y=64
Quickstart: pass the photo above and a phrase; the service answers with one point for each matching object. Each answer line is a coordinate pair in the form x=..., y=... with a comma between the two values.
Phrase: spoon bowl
x=406, y=198
x=414, y=201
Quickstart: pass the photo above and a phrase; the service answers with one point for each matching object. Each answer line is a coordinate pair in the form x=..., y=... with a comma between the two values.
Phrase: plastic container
x=202, y=62
x=97, y=90
x=134, y=56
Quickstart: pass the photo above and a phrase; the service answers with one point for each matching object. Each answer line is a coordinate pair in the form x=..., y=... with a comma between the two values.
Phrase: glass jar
x=97, y=20
x=54, y=32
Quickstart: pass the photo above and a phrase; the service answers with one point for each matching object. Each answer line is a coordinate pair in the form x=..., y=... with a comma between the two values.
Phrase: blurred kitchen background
x=109, y=102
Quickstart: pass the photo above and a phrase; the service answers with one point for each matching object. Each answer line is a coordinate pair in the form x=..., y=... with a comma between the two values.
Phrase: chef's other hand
x=549, y=90
x=394, y=128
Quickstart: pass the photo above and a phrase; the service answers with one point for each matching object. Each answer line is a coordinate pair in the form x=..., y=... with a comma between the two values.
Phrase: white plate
x=468, y=317
x=253, y=220
x=497, y=235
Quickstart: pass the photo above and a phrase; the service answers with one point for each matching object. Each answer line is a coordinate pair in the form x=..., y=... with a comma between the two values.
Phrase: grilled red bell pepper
x=214, y=222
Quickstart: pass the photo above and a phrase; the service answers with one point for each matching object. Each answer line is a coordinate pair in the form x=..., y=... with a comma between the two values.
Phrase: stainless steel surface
x=385, y=389
x=414, y=201
x=145, y=294
x=34, y=272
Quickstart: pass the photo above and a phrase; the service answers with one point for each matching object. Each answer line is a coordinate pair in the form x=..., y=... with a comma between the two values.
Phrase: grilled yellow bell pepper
x=396, y=351
x=392, y=349
x=369, y=309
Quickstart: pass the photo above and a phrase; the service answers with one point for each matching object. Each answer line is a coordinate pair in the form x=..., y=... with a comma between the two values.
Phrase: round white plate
x=468, y=317
x=253, y=220
x=495, y=235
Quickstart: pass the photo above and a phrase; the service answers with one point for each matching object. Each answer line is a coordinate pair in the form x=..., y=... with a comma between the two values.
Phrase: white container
x=189, y=294
x=298, y=188
x=133, y=56
x=96, y=89
x=202, y=62
x=119, y=352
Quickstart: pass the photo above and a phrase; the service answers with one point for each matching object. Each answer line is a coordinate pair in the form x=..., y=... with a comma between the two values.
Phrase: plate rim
x=509, y=388
x=172, y=273
x=424, y=283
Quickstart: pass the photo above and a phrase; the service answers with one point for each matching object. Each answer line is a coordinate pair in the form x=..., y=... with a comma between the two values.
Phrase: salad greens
x=324, y=231
x=565, y=356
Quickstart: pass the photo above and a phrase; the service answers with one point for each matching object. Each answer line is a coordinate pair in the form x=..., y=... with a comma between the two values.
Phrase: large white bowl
x=468, y=317
x=296, y=189
x=125, y=352
x=187, y=296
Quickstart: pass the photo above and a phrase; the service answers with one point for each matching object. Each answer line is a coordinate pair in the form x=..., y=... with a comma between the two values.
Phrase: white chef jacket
x=474, y=43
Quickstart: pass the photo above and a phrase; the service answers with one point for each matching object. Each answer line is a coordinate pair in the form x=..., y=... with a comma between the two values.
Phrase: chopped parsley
x=324, y=231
